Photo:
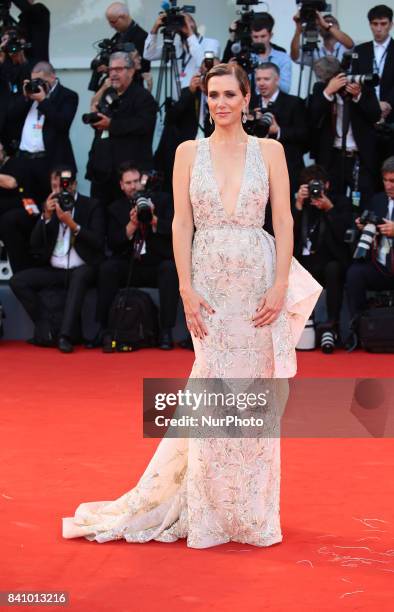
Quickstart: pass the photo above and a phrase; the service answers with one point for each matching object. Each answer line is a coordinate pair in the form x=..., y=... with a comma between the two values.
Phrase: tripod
x=168, y=73
x=307, y=48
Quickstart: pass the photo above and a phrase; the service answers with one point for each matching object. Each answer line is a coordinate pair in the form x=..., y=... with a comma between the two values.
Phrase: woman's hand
x=192, y=303
x=270, y=305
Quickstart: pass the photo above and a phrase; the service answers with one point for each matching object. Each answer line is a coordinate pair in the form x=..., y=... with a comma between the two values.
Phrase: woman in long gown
x=246, y=301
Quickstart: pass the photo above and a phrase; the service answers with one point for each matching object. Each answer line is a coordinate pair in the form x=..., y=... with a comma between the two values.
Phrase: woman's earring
x=244, y=116
x=210, y=119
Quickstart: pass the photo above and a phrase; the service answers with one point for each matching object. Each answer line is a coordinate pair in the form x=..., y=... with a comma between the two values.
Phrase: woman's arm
x=272, y=302
x=182, y=236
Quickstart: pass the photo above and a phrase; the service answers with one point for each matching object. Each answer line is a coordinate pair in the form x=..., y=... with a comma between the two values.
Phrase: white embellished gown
x=216, y=490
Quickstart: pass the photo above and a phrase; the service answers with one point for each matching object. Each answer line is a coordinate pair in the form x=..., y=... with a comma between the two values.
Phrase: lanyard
x=323, y=51
x=379, y=67
x=185, y=59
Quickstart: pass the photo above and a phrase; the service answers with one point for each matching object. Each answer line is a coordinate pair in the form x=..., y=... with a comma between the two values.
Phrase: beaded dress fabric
x=216, y=490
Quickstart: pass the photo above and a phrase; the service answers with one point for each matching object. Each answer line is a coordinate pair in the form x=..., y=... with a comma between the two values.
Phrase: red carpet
x=71, y=432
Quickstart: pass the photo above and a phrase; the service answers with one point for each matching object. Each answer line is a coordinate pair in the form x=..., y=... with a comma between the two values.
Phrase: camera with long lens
x=346, y=66
x=64, y=197
x=107, y=105
x=150, y=182
x=259, y=123
x=174, y=20
x=370, y=221
x=315, y=189
x=15, y=43
x=106, y=48
x=34, y=86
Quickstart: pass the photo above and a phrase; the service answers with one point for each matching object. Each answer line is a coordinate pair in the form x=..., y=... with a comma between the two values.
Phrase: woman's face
x=225, y=100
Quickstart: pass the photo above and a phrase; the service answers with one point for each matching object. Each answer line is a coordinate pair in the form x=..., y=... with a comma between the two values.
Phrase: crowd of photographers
x=344, y=126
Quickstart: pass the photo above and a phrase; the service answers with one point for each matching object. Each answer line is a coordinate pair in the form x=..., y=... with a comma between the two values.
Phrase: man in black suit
x=343, y=117
x=126, y=134
x=43, y=121
x=289, y=126
x=320, y=222
x=154, y=265
x=34, y=22
x=377, y=271
x=377, y=56
x=68, y=241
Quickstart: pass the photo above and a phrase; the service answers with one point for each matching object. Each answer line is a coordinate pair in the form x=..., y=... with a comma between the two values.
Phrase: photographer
x=68, y=240
x=288, y=124
x=189, y=46
x=238, y=24
x=374, y=267
x=124, y=125
x=34, y=23
x=128, y=31
x=349, y=147
x=262, y=33
x=43, y=116
x=335, y=42
x=377, y=56
x=154, y=268
x=14, y=70
x=320, y=222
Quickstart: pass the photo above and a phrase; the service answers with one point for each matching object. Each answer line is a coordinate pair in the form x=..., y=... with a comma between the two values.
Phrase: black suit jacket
x=59, y=110
x=136, y=35
x=331, y=233
x=130, y=136
x=158, y=245
x=363, y=116
x=365, y=65
x=34, y=21
x=89, y=244
x=290, y=115
x=378, y=204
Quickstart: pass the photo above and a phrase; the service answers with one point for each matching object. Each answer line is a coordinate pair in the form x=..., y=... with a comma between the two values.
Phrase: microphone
x=236, y=48
x=165, y=6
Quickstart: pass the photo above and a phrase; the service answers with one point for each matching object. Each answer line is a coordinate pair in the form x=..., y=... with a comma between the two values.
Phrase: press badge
x=105, y=134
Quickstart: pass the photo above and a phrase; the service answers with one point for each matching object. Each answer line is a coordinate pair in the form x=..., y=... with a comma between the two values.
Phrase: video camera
x=14, y=43
x=108, y=104
x=150, y=181
x=66, y=199
x=308, y=9
x=106, y=48
x=243, y=47
x=33, y=86
x=174, y=21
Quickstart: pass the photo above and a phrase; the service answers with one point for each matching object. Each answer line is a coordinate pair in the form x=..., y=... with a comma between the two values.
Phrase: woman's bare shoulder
x=187, y=148
x=271, y=148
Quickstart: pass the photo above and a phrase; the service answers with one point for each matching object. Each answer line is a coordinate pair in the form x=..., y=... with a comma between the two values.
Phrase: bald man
x=127, y=31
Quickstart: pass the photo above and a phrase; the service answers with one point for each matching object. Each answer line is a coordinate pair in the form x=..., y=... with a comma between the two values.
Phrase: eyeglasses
x=118, y=68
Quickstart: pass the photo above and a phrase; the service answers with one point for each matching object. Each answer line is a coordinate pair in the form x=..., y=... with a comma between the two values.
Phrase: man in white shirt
x=190, y=47
x=68, y=241
x=376, y=272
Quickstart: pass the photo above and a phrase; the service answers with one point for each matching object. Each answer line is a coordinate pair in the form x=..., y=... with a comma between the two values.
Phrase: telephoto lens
x=327, y=342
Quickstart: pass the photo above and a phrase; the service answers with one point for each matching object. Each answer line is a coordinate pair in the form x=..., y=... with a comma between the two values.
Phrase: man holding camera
x=34, y=23
x=335, y=42
x=320, y=222
x=343, y=114
x=374, y=266
x=153, y=264
x=189, y=44
x=43, y=116
x=124, y=126
x=288, y=118
x=68, y=241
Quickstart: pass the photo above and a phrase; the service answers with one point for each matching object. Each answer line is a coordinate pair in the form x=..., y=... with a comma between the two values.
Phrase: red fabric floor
x=71, y=432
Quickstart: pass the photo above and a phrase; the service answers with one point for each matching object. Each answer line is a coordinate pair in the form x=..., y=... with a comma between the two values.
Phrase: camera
x=308, y=10
x=108, y=104
x=14, y=43
x=370, y=221
x=64, y=197
x=315, y=189
x=33, y=86
x=368, y=80
x=209, y=58
x=150, y=182
x=259, y=124
x=174, y=21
